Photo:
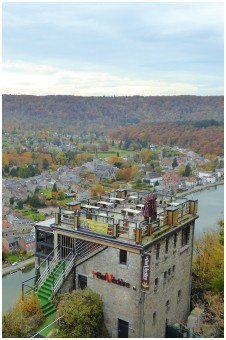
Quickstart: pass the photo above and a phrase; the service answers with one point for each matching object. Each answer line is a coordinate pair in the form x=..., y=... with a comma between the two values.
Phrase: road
x=21, y=264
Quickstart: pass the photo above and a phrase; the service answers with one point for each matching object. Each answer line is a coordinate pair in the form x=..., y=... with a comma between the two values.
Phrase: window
x=178, y=295
x=167, y=305
x=156, y=282
x=123, y=256
x=175, y=240
x=185, y=236
x=169, y=271
x=157, y=251
x=154, y=317
x=173, y=269
x=165, y=275
x=167, y=245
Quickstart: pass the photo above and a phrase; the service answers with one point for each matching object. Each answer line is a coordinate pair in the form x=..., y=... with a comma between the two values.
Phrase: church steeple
x=95, y=160
x=96, y=154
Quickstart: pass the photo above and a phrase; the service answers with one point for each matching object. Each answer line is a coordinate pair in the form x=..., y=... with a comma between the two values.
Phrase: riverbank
x=22, y=264
x=197, y=189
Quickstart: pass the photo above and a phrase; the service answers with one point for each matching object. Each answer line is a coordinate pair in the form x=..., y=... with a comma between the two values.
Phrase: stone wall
x=119, y=302
x=178, y=278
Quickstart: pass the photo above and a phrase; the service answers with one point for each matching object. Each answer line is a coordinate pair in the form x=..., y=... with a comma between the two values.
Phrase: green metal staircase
x=45, y=292
x=56, y=272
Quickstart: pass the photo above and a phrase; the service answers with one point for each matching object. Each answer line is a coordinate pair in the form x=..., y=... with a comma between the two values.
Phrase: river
x=211, y=209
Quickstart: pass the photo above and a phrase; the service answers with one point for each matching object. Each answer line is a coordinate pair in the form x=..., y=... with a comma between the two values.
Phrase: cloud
x=142, y=47
x=26, y=78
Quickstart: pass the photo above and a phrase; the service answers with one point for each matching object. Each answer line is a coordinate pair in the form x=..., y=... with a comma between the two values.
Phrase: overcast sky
x=108, y=49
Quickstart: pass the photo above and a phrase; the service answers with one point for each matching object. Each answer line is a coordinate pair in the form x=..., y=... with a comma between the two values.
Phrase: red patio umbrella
x=150, y=206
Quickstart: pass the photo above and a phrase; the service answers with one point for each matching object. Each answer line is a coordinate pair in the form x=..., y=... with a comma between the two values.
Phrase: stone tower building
x=140, y=266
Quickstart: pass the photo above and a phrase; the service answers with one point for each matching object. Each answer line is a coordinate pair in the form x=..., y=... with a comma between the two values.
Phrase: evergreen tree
x=11, y=200
x=45, y=164
x=54, y=189
x=175, y=163
x=187, y=171
x=20, y=205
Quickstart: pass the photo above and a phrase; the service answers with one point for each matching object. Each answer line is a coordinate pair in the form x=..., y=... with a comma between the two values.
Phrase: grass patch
x=30, y=214
x=13, y=258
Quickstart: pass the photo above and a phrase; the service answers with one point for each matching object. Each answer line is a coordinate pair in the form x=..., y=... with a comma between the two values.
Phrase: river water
x=211, y=209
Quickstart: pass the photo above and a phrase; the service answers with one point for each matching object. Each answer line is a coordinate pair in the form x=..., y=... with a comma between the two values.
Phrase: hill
x=98, y=113
x=202, y=139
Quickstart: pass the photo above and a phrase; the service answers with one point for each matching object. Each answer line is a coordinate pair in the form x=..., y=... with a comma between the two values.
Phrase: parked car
x=14, y=263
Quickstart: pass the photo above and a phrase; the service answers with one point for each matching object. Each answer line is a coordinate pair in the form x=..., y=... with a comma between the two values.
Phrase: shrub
x=82, y=315
x=23, y=320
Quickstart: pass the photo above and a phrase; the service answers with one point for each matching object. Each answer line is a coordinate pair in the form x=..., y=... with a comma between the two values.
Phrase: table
x=105, y=204
x=131, y=211
x=139, y=206
x=90, y=206
x=173, y=204
x=117, y=199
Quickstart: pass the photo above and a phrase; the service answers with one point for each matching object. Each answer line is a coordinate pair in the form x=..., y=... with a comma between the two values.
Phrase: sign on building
x=145, y=278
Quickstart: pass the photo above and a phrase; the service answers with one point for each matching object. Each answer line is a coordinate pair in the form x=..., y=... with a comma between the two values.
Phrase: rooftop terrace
x=118, y=217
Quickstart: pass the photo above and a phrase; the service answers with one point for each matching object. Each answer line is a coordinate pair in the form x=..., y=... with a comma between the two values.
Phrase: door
x=123, y=329
x=82, y=281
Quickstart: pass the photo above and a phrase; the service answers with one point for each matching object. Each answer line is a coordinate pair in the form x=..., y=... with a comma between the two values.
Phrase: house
x=191, y=182
x=8, y=232
x=152, y=178
x=220, y=172
x=209, y=179
x=5, y=224
x=27, y=242
x=10, y=243
x=203, y=174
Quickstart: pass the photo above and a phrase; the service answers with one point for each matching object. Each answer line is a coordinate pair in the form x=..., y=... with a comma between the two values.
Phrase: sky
x=113, y=49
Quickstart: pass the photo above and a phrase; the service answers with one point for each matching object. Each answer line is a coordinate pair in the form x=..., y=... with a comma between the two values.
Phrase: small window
x=175, y=240
x=167, y=246
x=123, y=256
x=157, y=251
x=156, y=282
x=173, y=269
x=179, y=295
x=169, y=271
x=165, y=275
x=185, y=236
x=167, y=305
x=154, y=317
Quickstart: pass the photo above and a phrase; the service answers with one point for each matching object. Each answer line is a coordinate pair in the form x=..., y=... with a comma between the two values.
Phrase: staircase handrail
x=51, y=265
x=47, y=258
x=67, y=264
x=62, y=277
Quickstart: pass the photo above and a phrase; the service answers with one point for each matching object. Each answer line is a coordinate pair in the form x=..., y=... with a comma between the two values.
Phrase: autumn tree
x=208, y=264
x=23, y=320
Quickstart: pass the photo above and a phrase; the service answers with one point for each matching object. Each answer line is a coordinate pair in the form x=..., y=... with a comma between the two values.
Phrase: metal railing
x=82, y=250
x=52, y=323
x=50, y=266
x=66, y=267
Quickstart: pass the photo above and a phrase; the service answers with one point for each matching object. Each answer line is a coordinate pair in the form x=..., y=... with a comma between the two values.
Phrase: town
x=103, y=165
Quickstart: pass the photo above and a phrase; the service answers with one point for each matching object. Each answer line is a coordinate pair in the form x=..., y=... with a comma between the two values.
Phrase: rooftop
x=118, y=217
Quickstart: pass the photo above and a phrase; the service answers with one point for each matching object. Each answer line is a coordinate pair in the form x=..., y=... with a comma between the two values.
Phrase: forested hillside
x=198, y=136
x=96, y=113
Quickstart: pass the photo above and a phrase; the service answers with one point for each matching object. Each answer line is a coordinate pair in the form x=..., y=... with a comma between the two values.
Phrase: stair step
x=50, y=312
x=44, y=295
x=48, y=308
x=46, y=288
